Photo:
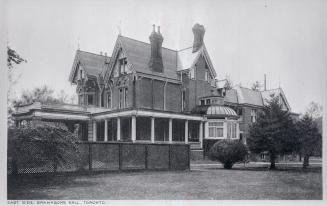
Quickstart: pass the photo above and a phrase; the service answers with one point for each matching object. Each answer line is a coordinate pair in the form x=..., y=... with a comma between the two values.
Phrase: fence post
x=90, y=156
x=146, y=156
x=189, y=156
x=169, y=156
x=120, y=161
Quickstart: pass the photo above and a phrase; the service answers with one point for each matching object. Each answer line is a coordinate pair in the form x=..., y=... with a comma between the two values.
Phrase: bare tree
x=229, y=84
x=314, y=110
x=256, y=86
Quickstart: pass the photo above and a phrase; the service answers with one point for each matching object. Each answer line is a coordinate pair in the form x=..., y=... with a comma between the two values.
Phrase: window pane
x=228, y=130
x=219, y=132
x=125, y=98
x=90, y=99
x=109, y=99
x=211, y=132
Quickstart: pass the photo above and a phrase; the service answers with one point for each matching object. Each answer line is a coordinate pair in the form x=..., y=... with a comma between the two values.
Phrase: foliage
x=42, y=143
x=309, y=137
x=314, y=110
x=229, y=84
x=13, y=57
x=273, y=132
x=228, y=152
x=42, y=94
x=256, y=86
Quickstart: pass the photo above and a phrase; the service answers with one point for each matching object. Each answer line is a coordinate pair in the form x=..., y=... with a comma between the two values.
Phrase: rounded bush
x=228, y=152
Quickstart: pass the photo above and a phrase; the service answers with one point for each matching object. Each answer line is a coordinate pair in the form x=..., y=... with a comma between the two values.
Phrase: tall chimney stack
x=198, y=31
x=156, y=40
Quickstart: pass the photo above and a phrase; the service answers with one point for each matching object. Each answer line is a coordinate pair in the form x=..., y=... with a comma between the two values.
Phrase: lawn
x=202, y=182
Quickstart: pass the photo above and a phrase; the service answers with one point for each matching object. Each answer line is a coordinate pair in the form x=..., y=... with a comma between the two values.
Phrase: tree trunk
x=228, y=165
x=272, y=161
x=306, y=161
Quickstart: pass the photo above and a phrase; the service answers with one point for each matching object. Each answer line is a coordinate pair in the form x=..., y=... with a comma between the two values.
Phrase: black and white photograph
x=163, y=100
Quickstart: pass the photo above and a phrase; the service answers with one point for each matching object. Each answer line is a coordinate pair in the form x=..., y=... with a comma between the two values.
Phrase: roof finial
x=159, y=29
x=154, y=27
x=78, y=43
x=119, y=28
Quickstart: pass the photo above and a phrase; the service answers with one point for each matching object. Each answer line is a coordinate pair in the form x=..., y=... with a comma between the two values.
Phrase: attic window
x=123, y=65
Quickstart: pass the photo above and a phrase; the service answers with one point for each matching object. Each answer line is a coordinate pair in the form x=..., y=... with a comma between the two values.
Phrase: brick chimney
x=156, y=40
x=198, y=31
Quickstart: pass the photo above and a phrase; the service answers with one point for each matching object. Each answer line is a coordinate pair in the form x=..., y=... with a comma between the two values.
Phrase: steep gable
x=187, y=59
x=92, y=64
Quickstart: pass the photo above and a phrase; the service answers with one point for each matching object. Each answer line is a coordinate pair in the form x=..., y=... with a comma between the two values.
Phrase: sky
x=284, y=39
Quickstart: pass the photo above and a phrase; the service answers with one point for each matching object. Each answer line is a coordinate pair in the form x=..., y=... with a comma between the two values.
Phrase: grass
x=251, y=182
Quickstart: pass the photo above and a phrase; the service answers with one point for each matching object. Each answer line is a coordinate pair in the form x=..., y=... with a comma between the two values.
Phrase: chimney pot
x=198, y=31
x=154, y=27
x=156, y=40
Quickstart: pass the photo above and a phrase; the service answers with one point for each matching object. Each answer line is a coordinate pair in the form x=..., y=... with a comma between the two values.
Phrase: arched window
x=102, y=103
x=109, y=98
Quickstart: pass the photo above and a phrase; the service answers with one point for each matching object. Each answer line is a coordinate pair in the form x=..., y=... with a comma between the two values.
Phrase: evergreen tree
x=309, y=137
x=273, y=132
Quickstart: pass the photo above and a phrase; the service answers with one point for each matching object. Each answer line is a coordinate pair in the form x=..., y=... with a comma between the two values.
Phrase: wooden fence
x=113, y=156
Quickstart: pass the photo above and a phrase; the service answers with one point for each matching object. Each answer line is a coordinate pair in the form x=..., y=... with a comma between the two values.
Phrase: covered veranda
x=147, y=126
x=103, y=125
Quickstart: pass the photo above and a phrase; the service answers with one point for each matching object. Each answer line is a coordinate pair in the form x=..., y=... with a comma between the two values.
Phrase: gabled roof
x=138, y=54
x=93, y=64
x=249, y=96
x=241, y=95
x=267, y=95
x=187, y=59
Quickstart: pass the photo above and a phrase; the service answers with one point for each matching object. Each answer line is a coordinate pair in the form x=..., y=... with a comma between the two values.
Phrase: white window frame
x=253, y=115
x=232, y=130
x=120, y=98
x=215, y=127
x=183, y=99
x=109, y=93
x=125, y=97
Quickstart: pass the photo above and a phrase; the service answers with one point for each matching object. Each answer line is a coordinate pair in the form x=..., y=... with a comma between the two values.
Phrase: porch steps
x=196, y=151
x=196, y=155
x=195, y=146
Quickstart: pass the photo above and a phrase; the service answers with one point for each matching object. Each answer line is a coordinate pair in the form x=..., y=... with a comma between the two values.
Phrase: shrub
x=37, y=145
x=228, y=152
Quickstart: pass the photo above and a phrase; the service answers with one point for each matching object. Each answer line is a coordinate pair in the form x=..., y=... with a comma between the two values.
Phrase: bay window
x=216, y=129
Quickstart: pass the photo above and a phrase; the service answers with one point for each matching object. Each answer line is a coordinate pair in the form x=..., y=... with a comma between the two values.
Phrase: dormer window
x=123, y=66
x=202, y=102
x=208, y=101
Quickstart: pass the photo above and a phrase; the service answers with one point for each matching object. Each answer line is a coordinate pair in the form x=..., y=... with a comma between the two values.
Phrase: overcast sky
x=286, y=39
